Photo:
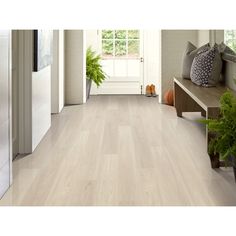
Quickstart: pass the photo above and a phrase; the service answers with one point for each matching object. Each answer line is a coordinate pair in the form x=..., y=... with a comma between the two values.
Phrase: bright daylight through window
x=230, y=38
x=120, y=43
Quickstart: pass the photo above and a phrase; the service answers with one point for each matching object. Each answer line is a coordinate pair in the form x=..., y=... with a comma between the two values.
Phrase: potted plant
x=94, y=71
x=224, y=141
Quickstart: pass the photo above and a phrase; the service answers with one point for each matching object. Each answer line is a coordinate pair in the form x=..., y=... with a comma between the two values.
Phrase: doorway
x=122, y=61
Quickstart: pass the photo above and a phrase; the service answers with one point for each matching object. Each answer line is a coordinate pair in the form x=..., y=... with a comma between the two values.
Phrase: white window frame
x=141, y=51
x=140, y=39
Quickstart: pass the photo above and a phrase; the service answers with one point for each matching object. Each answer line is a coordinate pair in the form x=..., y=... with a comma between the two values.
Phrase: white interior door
x=4, y=111
x=122, y=60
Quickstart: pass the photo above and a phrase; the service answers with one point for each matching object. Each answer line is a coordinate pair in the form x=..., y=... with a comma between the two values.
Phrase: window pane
x=120, y=34
x=107, y=48
x=133, y=48
x=120, y=46
x=230, y=39
x=133, y=34
x=107, y=34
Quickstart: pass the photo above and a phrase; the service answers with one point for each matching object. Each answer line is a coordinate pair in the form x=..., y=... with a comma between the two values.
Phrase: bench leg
x=178, y=99
x=179, y=113
x=183, y=102
x=215, y=162
x=203, y=113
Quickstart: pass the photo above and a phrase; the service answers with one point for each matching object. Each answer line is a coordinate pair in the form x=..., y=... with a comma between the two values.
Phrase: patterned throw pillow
x=206, y=67
x=189, y=54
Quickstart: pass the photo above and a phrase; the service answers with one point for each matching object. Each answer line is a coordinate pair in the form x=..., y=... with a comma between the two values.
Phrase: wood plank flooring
x=121, y=151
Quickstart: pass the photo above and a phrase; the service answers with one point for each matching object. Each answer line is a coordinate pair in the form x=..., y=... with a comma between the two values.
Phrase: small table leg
x=203, y=113
x=215, y=162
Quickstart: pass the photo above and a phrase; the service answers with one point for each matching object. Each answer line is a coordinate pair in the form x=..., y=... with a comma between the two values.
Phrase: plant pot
x=88, y=87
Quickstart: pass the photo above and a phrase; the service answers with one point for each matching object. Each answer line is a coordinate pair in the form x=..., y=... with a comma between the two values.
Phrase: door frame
x=10, y=107
x=15, y=94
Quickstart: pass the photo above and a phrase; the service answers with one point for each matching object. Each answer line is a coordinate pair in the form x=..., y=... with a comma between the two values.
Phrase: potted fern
x=224, y=128
x=94, y=71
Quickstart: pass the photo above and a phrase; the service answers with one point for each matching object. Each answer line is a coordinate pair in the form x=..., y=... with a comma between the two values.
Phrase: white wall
x=218, y=36
x=41, y=104
x=57, y=82
x=34, y=96
x=5, y=111
x=92, y=40
x=152, y=58
x=173, y=43
x=61, y=69
x=210, y=36
x=75, y=67
x=203, y=37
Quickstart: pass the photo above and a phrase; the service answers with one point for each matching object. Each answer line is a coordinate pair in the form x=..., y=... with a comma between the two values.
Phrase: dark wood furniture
x=189, y=97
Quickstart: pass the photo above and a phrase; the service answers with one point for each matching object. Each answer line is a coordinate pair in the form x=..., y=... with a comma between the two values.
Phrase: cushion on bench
x=206, y=67
x=189, y=54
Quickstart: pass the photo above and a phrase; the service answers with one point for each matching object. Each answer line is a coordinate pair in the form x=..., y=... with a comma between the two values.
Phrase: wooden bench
x=189, y=97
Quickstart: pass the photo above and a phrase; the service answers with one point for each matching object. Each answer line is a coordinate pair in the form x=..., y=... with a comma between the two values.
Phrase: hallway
x=120, y=150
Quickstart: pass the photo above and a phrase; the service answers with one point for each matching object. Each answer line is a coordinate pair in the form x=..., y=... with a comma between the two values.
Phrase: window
x=230, y=38
x=121, y=51
x=120, y=44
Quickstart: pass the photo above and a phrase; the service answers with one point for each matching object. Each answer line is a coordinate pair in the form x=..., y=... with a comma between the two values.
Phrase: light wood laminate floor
x=121, y=150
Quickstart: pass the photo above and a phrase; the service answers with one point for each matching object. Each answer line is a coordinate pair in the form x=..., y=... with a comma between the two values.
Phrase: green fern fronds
x=224, y=128
x=94, y=69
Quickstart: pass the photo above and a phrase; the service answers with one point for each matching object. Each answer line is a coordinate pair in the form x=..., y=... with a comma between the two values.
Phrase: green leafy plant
x=224, y=128
x=94, y=69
